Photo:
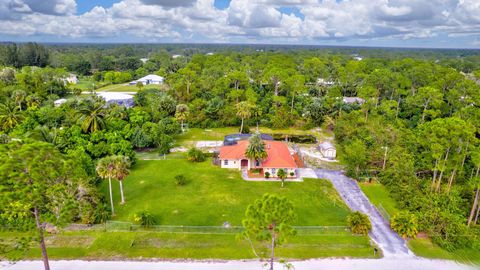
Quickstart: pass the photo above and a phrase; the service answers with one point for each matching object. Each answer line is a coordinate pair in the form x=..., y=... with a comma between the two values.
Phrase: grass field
x=216, y=195
x=379, y=196
x=427, y=249
x=125, y=87
x=144, y=245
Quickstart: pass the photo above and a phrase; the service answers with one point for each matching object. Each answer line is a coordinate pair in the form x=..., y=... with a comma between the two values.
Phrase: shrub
x=145, y=219
x=256, y=170
x=359, y=223
x=292, y=174
x=405, y=224
x=181, y=180
x=267, y=175
x=195, y=155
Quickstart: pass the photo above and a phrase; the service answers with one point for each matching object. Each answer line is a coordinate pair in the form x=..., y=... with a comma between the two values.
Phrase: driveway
x=393, y=246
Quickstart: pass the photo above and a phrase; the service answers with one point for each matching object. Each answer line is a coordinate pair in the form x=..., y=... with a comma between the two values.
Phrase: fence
x=301, y=230
x=383, y=212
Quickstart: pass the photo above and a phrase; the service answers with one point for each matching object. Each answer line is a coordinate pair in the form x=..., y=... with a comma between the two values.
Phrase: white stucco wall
x=232, y=164
x=270, y=170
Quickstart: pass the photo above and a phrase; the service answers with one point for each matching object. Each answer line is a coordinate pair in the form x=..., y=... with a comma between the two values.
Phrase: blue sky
x=393, y=23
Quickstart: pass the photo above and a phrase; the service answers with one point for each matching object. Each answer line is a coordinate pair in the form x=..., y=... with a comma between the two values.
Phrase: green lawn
x=217, y=195
x=125, y=87
x=379, y=196
x=427, y=249
x=138, y=245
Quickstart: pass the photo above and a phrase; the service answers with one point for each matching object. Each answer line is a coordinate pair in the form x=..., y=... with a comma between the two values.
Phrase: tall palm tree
x=122, y=163
x=10, y=116
x=92, y=116
x=256, y=148
x=106, y=170
x=181, y=114
x=244, y=111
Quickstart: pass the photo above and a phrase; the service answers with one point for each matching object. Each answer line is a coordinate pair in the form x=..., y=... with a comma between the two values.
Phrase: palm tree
x=244, y=111
x=256, y=148
x=106, y=170
x=92, y=116
x=121, y=164
x=19, y=97
x=282, y=174
x=181, y=114
x=33, y=101
x=10, y=116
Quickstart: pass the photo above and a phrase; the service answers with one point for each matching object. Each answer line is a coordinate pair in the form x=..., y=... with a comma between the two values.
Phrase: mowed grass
x=379, y=196
x=215, y=195
x=125, y=87
x=425, y=248
x=144, y=245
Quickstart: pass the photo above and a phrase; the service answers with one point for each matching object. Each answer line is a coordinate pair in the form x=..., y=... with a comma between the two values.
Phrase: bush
x=405, y=224
x=359, y=223
x=267, y=175
x=145, y=219
x=181, y=180
x=292, y=174
x=195, y=155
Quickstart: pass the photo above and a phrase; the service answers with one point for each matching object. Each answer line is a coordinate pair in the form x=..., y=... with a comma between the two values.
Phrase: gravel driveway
x=389, y=241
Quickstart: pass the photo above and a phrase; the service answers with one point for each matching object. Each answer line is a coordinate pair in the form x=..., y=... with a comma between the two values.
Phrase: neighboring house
x=175, y=56
x=323, y=82
x=59, y=102
x=117, y=98
x=144, y=60
x=327, y=150
x=149, y=79
x=71, y=79
x=351, y=100
x=279, y=157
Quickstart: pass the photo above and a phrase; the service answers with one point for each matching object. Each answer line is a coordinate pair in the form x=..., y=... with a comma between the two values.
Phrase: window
x=274, y=171
x=225, y=162
x=257, y=163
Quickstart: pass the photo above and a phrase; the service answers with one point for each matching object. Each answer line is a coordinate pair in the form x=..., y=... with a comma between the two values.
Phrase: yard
x=216, y=195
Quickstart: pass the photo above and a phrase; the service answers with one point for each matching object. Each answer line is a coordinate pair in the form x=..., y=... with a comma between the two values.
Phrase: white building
x=59, y=102
x=149, y=79
x=71, y=79
x=327, y=150
x=323, y=82
x=117, y=98
x=351, y=100
x=144, y=60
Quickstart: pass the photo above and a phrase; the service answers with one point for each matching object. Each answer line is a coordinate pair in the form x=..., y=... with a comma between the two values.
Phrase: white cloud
x=258, y=20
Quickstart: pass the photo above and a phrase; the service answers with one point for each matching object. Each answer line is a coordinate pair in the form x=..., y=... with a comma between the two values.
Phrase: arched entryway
x=244, y=164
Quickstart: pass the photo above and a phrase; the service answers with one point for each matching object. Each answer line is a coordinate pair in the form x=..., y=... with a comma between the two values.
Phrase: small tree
x=269, y=220
x=195, y=155
x=405, y=224
x=359, y=223
x=180, y=180
x=244, y=111
x=181, y=114
x=139, y=85
x=145, y=219
x=282, y=175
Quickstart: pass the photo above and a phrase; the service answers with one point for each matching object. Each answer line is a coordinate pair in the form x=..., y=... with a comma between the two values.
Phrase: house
x=117, y=98
x=278, y=157
x=149, y=79
x=323, y=82
x=328, y=150
x=59, y=102
x=351, y=100
x=71, y=79
x=144, y=60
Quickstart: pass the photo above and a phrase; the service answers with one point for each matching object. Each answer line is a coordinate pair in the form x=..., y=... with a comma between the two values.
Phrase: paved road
x=389, y=241
x=327, y=264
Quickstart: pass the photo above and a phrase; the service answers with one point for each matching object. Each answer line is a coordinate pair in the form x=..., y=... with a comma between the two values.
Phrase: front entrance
x=244, y=163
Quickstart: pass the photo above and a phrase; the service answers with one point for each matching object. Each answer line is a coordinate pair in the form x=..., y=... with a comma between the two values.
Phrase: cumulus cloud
x=245, y=20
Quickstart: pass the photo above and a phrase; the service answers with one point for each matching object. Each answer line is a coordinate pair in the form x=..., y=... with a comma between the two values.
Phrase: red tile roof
x=278, y=154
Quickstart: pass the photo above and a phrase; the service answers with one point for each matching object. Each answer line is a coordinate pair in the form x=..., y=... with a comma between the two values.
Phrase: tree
x=355, y=156
x=139, y=85
x=195, y=155
x=282, y=175
x=269, y=220
x=256, y=148
x=296, y=85
x=19, y=96
x=38, y=185
x=181, y=113
x=106, y=170
x=244, y=111
x=92, y=116
x=405, y=224
x=359, y=223
x=10, y=116
x=121, y=165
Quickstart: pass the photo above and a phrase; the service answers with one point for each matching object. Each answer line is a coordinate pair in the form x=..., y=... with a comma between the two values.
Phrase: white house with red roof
x=279, y=156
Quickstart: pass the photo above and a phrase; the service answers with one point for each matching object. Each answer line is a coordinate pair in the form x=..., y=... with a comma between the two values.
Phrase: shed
x=327, y=149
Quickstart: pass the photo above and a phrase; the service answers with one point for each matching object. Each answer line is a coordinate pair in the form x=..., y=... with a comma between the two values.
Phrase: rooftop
x=278, y=154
